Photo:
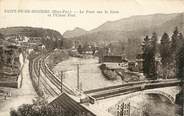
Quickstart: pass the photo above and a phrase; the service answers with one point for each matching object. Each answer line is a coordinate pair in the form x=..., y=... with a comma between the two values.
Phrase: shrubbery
x=56, y=57
x=38, y=108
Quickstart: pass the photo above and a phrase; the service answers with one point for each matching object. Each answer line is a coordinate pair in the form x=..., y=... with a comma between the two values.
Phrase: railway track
x=48, y=89
x=50, y=82
x=53, y=78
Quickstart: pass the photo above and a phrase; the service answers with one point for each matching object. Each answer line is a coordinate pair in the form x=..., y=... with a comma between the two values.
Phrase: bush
x=38, y=108
x=56, y=57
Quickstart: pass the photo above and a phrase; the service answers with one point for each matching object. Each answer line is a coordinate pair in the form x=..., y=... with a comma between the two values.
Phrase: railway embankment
x=33, y=57
x=45, y=82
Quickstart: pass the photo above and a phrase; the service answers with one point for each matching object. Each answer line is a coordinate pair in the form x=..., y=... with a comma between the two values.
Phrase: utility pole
x=61, y=82
x=78, y=84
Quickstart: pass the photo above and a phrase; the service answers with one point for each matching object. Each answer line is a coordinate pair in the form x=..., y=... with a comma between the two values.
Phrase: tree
x=79, y=49
x=153, y=51
x=154, y=40
x=146, y=48
x=180, y=63
x=180, y=57
x=165, y=52
x=149, y=51
x=177, y=44
x=174, y=41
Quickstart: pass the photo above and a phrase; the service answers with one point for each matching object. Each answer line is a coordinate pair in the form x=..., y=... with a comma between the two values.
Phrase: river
x=89, y=73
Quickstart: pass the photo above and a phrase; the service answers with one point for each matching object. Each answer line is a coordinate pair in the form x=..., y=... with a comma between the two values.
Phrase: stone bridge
x=168, y=92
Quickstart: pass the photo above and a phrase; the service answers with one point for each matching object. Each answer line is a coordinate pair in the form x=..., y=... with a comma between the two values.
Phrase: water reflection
x=155, y=105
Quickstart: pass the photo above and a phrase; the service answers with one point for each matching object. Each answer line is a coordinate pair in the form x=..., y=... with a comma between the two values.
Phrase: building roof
x=114, y=59
x=66, y=102
x=113, y=65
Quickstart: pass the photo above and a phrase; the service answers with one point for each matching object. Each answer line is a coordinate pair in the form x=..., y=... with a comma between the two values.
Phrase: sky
x=11, y=15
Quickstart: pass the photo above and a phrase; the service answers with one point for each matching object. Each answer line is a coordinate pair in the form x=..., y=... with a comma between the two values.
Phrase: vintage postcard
x=91, y=57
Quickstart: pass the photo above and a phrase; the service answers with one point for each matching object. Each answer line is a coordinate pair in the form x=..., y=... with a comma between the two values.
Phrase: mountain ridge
x=137, y=26
x=73, y=33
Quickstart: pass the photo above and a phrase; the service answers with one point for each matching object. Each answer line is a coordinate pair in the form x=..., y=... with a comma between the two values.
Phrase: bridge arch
x=168, y=96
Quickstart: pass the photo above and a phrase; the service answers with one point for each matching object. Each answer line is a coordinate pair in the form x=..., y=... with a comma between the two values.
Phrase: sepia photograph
x=91, y=57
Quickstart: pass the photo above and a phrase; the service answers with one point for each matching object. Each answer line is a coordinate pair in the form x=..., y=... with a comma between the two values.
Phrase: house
x=114, y=62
